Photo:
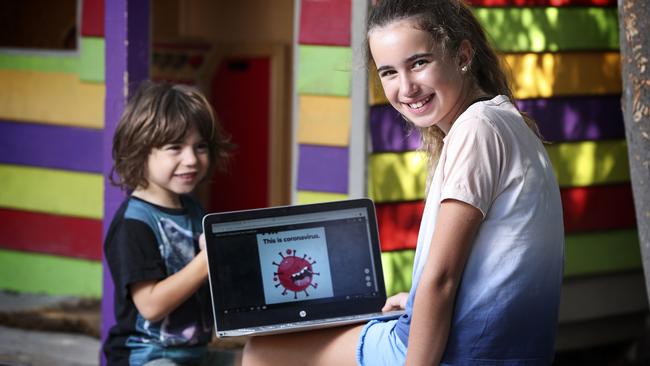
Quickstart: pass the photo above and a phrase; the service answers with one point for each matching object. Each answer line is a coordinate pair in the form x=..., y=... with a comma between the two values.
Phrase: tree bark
x=634, y=17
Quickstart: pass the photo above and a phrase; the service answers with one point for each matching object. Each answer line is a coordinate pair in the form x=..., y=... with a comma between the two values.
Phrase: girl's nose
x=189, y=156
x=407, y=87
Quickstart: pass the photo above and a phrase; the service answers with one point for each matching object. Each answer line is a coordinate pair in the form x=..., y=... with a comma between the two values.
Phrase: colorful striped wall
x=323, y=85
x=51, y=185
x=566, y=74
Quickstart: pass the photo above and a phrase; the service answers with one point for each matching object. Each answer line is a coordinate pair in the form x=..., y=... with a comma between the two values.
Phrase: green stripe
x=88, y=63
x=539, y=29
x=324, y=70
x=397, y=176
x=602, y=252
x=38, y=273
x=305, y=197
x=92, y=59
x=397, y=268
x=588, y=163
x=52, y=191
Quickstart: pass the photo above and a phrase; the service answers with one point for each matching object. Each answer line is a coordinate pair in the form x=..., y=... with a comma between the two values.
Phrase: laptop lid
x=292, y=264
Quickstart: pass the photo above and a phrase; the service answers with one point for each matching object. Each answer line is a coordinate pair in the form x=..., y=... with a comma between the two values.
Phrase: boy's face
x=176, y=168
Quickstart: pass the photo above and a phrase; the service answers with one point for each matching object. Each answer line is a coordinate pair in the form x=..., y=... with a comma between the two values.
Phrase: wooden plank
x=602, y=252
x=399, y=224
x=590, y=297
x=545, y=75
x=544, y=29
x=589, y=163
x=541, y=2
x=323, y=169
x=51, y=191
x=52, y=98
x=397, y=267
x=324, y=120
x=88, y=63
x=50, y=146
x=394, y=177
x=305, y=197
x=590, y=208
x=324, y=70
x=325, y=22
x=51, y=234
x=92, y=18
x=39, y=273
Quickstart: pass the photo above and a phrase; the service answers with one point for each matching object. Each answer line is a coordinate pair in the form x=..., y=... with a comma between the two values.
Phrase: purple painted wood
x=127, y=63
x=323, y=168
x=560, y=119
x=51, y=146
x=577, y=118
x=390, y=132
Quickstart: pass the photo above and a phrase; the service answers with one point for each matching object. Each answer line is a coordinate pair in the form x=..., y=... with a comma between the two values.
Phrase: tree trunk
x=634, y=17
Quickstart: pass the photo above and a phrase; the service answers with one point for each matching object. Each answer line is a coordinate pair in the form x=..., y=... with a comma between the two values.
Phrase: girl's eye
x=172, y=147
x=419, y=63
x=202, y=146
x=386, y=73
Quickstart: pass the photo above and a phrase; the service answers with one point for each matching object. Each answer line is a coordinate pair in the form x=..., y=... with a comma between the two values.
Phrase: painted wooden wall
x=565, y=64
x=51, y=186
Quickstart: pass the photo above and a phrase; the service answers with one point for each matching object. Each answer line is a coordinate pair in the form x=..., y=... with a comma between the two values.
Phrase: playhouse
x=289, y=81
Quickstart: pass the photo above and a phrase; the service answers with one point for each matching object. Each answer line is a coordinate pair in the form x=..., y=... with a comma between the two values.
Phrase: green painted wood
x=52, y=191
x=324, y=70
x=539, y=29
x=602, y=252
x=92, y=59
x=39, y=273
x=88, y=63
x=397, y=267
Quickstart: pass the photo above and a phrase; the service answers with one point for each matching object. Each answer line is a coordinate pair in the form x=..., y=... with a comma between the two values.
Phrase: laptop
x=293, y=268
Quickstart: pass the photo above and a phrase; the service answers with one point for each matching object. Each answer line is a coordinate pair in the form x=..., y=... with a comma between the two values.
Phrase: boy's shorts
x=379, y=345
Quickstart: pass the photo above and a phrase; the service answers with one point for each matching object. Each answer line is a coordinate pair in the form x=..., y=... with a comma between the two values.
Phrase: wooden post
x=634, y=17
x=127, y=63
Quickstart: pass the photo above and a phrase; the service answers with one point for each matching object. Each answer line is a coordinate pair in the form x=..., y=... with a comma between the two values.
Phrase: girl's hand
x=202, y=241
x=396, y=302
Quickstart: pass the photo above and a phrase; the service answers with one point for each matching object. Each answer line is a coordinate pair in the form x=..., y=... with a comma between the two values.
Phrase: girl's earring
x=463, y=69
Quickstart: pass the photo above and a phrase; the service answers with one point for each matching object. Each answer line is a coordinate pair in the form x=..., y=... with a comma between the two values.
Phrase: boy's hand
x=202, y=241
x=396, y=302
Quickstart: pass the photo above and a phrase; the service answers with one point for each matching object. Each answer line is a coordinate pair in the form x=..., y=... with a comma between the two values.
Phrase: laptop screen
x=293, y=263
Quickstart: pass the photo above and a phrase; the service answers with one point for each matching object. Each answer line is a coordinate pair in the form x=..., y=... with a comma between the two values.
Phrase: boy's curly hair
x=158, y=114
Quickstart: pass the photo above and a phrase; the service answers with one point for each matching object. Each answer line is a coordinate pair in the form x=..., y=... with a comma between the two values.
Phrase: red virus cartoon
x=294, y=273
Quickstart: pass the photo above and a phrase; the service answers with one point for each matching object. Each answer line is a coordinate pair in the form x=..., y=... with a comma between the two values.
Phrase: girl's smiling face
x=419, y=81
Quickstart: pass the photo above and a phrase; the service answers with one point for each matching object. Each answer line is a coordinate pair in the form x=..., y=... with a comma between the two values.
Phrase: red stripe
x=585, y=209
x=598, y=208
x=92, y=18
x=50, y=234
x=541, y=2
x=399, y=224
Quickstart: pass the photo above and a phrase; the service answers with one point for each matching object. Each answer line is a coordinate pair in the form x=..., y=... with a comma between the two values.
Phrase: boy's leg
x=331, y=346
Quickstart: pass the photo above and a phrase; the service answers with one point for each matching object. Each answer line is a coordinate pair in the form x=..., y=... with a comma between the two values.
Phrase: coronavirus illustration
x=295, y=273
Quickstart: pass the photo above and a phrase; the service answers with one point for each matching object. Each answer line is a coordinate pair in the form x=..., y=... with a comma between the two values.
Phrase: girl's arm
x=156, y=299
x=451, y=244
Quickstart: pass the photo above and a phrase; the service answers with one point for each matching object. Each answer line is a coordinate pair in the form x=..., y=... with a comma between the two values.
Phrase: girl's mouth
x=419, y=104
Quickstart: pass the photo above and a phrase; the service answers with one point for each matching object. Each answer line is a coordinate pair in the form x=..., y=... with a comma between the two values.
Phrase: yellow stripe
x=397, y=176
x=590, y=162
x=543, y=75
x=401, y=176
x=324, y=120
x=51, y=97
x=51, y=191
x=305, y=197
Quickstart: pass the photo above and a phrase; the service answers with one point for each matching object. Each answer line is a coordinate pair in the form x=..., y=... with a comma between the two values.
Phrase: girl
x=489, y=260
x=166, y=143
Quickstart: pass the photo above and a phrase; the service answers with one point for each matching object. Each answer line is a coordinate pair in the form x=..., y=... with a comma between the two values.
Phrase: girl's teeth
x=418, y=104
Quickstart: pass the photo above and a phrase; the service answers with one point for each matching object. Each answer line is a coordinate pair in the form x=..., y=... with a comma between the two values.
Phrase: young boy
x=166, y=142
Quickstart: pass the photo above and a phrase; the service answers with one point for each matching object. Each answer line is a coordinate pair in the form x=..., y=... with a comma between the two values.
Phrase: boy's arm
x=156, y=299
x=451, y=244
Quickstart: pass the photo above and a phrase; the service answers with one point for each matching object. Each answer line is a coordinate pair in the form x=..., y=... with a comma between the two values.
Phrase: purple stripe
x=577, y=118
x=390, y=132
x=560, y=119
x=323, y=168
x=50, y=146
x=126, y=29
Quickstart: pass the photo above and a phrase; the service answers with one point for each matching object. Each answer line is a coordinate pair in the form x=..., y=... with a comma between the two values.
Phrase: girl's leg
x=330, y=346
